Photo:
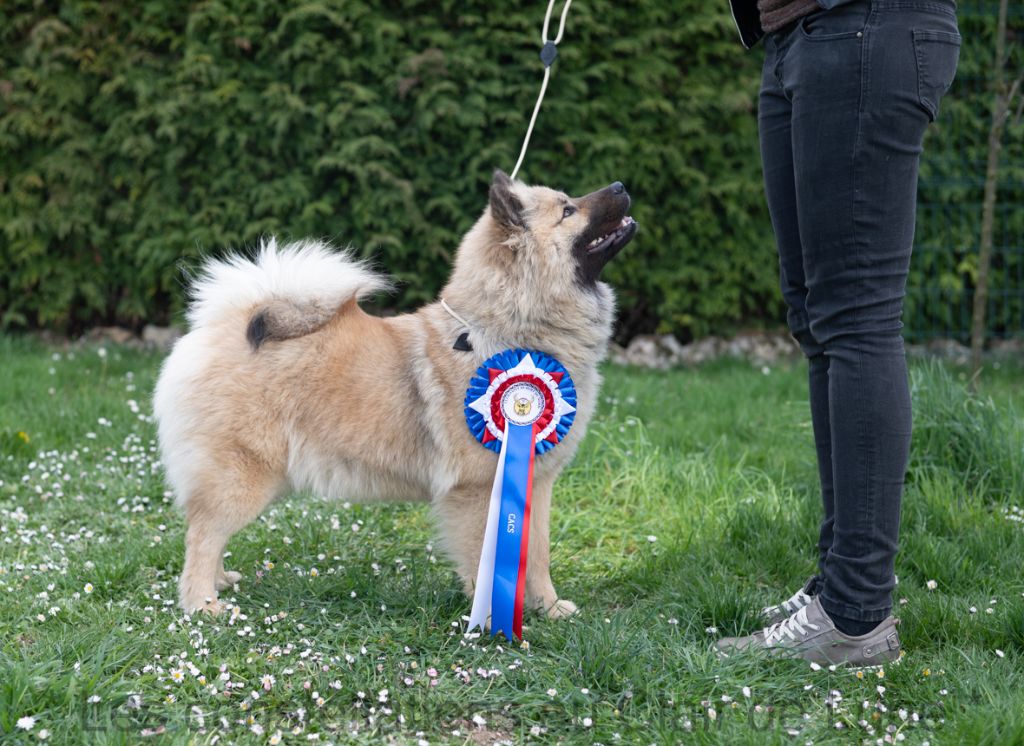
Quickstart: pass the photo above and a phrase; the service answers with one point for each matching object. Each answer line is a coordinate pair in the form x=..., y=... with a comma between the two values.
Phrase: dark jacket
x=748, y=19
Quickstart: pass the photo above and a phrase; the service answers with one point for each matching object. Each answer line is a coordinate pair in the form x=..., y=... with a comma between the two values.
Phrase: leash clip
x=549, y=53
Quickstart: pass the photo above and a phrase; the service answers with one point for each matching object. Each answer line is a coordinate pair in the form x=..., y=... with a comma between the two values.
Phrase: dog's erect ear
x=506, y=208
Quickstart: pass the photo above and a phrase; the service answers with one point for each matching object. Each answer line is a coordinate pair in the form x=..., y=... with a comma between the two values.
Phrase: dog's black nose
x=617, y=188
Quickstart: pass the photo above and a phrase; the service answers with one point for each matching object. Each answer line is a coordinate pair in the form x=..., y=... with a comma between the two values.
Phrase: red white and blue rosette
x=520, y=403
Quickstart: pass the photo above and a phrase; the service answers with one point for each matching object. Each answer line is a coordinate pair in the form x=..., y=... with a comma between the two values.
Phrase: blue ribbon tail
x=514, y=489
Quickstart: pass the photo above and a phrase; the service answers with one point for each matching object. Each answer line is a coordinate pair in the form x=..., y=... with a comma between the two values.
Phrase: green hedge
x=137, y=136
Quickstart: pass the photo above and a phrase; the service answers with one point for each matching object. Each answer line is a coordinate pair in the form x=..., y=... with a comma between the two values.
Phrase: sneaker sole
x=850, y=668
x=874, y=669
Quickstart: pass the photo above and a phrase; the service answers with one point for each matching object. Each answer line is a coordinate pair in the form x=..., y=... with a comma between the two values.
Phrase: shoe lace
x=793, y=627
x=791, y=605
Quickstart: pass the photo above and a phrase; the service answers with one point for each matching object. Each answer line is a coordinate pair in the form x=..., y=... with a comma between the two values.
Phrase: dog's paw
x=212, y=606
x=215, y=608
x=228, y=580
x=561, y=609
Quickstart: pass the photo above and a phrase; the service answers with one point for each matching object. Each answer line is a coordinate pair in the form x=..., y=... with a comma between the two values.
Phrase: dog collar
x=462, y=343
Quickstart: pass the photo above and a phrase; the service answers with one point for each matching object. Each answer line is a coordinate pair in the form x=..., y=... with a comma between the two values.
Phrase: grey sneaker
x=775, y=614
x=810, y=634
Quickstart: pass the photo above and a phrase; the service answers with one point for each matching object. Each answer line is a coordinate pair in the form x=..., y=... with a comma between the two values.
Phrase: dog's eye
x=568, y=212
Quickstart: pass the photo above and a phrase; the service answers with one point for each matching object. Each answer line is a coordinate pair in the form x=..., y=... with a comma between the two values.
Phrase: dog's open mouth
x=615, y=239
x=610, y=229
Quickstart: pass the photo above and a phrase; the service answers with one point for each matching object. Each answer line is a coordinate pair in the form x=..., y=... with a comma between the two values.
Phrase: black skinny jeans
x=846, y=96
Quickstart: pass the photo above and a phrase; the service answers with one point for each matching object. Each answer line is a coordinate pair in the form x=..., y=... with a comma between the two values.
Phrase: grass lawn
x=692, y=504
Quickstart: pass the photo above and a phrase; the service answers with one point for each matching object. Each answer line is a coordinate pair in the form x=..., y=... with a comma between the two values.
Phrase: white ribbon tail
x=485, y=572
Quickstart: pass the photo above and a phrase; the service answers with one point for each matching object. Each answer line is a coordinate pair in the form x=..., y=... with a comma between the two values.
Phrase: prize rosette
x=520, y=403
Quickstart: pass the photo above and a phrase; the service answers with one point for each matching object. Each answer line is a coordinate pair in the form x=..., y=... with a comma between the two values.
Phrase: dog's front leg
x=540, y=591
x=461, y=519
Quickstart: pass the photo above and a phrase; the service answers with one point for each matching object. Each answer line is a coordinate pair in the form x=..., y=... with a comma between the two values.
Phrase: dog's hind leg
x=220, y=507
x=540, y=591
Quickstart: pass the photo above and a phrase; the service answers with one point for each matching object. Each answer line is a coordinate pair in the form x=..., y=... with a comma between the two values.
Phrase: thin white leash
x=548, y=53
x=446, y=307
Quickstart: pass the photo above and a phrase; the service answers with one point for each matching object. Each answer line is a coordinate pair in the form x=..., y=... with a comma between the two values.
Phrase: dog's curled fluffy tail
x=287, y=292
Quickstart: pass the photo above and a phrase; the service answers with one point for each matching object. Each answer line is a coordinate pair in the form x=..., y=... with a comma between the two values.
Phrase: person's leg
x=858, y=123
x=774, y=126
